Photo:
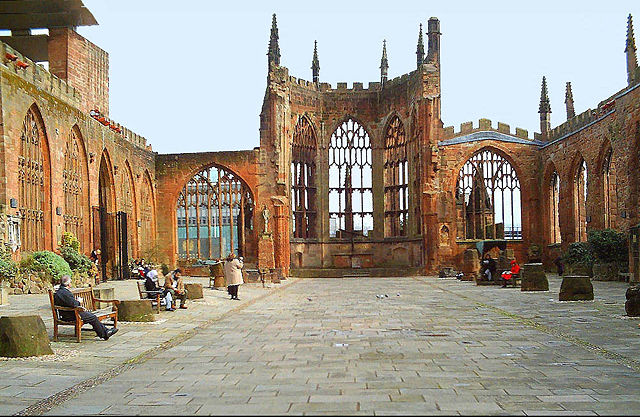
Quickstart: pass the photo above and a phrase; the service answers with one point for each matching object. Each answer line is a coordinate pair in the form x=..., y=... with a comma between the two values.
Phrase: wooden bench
x=87, y=303
x=152, y=296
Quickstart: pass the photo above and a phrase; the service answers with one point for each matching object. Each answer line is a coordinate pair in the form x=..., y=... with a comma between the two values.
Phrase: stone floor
x=25, y=383
x=340, y=346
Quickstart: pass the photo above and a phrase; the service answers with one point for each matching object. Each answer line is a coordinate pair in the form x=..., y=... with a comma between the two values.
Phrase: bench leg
x=115, y=321
x=55, y=332
x=79, y=330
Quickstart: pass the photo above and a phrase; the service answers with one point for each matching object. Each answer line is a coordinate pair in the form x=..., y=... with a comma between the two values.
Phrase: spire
x=544, y=109
x=420, y=49
x=630, y=50
x=315, y=63
x=568, y=101
x=274, y=49
x=384, y=63
x=433, y=35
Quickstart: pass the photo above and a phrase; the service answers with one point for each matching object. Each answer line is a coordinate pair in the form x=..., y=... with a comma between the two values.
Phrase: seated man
x=489, y=267
x=64, y=298
x=181, y=291
x=509, y=275
x=169, y=293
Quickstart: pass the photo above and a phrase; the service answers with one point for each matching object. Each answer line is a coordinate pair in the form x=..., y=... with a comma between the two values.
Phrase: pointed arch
x=147, y=215
x=303, y=179
x=580, y=187
x=396, y=179
x=130, y=206
x=34, y=177
x=608, y=174
x=488, y=202
x=350, y=180
x=75, y=187
x=551, y=181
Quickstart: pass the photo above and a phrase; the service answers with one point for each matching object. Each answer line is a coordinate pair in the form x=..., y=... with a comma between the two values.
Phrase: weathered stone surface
x=104, y=292
x=632, y=305
x=533, y=278
x=606, y=272
x=135, y=310
x=194, y=291
x=470, y=265
x=576, y=288
x=4, y=295
x=23, y=336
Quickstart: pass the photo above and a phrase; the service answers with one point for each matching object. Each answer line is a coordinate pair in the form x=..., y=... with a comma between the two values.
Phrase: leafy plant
x=8, y=269
x=78, y=262
x=51, y=264
x=579, y=253
x=69, y=240
x=609, y=245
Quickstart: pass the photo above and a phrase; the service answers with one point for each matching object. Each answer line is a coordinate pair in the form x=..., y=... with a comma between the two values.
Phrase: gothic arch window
x=554, y=206
x=350, y=185
x=488, y=198
x=303, y=180
x=610, y=206
x=396, y=180
x=129, y=207
x=73, y=187
x=214, y=212
x=147, y=215
x=581, y=182
x=33, y=171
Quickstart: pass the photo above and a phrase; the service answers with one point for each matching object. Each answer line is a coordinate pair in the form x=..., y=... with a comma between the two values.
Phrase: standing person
x=64, y=298
x=233, y=275
x=180, y=290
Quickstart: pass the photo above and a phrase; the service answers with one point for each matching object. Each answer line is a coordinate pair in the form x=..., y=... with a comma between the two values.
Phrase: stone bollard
x=135, y=310
x=4, y=294
x=194, y=291
x=104, y=292
x=632, y=305
x=576, y=288
x=533, y=278
x=470, y=265
x=23, y=336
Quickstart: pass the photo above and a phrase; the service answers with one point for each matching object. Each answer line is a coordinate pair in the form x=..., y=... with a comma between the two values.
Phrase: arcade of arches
x=343, y=178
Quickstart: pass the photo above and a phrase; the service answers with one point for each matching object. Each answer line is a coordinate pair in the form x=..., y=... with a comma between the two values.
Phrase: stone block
x=194, y=291
x=4, y=295
x=23, y=336
x=135, y=310
x=104, y=292
x=632, y=305
x=606, y=271
x=576, y=288
x=470, y=265
x=533, y=278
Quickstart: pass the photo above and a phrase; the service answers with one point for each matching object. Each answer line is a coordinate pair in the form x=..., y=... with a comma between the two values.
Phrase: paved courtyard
x=390, y=346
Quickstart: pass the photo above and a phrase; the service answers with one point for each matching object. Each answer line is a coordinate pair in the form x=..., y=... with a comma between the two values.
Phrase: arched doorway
x=105, y=229
x=214, y=216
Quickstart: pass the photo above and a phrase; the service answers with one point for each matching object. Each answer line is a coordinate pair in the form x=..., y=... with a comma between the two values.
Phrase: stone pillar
x=576, y=288
x=470, y=265
x=266, y=258
x=280, y=241
x=534, y=278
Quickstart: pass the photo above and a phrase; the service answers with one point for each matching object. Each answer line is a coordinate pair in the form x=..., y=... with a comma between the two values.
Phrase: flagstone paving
x=427, y=346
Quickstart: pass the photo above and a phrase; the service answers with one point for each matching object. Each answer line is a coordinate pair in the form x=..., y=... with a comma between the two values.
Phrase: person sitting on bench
x=64, y=298
x=509, y=275
x=489, y=267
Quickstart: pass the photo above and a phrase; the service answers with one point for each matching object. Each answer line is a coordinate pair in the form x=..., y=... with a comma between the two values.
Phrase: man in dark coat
x=64, y=298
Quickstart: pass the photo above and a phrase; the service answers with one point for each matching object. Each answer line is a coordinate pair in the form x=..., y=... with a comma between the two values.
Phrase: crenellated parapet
x=484, y=125
x=17, y=64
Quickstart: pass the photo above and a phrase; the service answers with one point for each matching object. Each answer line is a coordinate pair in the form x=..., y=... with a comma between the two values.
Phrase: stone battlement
x=18, y=64
x=573, y=124
x=483, y=126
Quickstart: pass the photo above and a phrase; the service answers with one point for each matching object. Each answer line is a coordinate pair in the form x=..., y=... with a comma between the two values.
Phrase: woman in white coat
x=233, y=275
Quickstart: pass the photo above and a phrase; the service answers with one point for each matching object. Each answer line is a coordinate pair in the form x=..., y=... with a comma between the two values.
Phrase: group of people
x=489, y=270
x=172, y=290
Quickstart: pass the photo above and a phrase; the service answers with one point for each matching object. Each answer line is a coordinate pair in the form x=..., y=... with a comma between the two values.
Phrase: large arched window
x=33, y=183
x=580, y=199
x=147, y=216
x=350, y=187
x=214, y=210
x=396, y=180
x=610, y=206
x=303, y=180
x=75, y=202
x=554, y=206
x=488, y=198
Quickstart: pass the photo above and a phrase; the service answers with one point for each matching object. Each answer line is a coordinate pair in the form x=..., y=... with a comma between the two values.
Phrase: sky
x=190, y=76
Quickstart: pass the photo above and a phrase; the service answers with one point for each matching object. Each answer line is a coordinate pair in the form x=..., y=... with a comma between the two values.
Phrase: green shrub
x=165, y=269
x=78, y=262
x=53, y=266
x=8, y=269
x=579, y=253
x=609, y=245
x=69, y=240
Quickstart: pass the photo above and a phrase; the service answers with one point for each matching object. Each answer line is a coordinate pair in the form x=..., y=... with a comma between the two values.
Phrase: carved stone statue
x=266, y=216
